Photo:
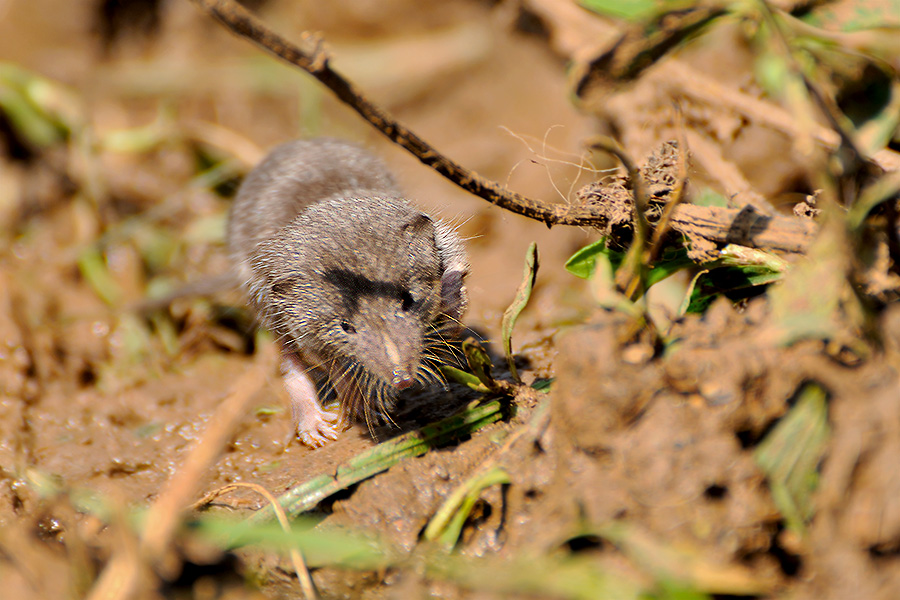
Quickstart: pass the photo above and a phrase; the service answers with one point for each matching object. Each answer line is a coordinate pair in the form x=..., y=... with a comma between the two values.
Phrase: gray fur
x=345, y=271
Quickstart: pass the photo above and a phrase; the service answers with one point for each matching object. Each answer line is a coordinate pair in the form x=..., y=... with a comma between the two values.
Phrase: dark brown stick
x=315, y=62
x=717, y=224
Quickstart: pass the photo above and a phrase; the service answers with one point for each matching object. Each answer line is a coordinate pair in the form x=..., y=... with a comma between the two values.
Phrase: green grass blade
x=634, y=10
x=791, y=453
x=464, y=378
x=308, y=494
x=683, y=568
x=319, y=548
x=447, y=523
x=568, y=578
x=95, y=271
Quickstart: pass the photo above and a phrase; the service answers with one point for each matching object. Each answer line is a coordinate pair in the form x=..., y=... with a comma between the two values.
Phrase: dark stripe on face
x=352, y=286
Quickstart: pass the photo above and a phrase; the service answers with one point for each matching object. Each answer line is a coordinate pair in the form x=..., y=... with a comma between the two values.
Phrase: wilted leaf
x=479, y=362
x=511, y=314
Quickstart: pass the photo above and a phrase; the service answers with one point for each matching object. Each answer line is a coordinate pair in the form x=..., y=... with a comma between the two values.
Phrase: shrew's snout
x=402, y=379
x=402, y=373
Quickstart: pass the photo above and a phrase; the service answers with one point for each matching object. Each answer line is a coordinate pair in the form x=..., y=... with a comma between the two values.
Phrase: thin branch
x=716, y=224
x=300, y=568
x=165, y=513
x=315, y=61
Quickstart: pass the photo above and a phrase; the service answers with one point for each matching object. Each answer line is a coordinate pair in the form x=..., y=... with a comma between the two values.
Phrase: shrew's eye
x=283, y=287
x=347, y=327
x=406, y=301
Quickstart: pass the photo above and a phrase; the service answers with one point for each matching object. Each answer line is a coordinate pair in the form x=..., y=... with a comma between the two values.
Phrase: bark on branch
x=718, y=225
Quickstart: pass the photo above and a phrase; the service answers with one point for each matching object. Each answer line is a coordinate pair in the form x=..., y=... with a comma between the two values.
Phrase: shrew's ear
x=420, y=225
x=453, y=297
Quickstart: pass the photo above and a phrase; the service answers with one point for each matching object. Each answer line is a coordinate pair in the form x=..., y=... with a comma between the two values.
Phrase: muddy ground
x=161, y=119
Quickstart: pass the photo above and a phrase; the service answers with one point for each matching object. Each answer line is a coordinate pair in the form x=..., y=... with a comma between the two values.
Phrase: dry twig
x=306, y=583
x=715, y=224
x=117, y=582
x=315, y=61
x=165, y=513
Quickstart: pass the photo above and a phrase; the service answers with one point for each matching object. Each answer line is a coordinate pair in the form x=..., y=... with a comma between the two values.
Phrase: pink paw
x=316, y=429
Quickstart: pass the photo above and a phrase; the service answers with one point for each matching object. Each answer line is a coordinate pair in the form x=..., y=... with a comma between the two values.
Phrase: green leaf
x=672, y=261
x=35, y=107
x=631, y=10
x=772, y=73
x=687, y=303
x=734, y=275
x=543, y=385
x=511, y=314
x=791, y=453
x=583, y=262
x=148, y=429
x=730, y=281
x=141, y=139
x=885, y=189
x=602, y=285
x=708, y=197
x=865, y=14
x=95, y=271
x=816, y=300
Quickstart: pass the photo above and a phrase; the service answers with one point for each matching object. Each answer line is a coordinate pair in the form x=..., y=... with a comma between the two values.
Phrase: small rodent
x=360, y=288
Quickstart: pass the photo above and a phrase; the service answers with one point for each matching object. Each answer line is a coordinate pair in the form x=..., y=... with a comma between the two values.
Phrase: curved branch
x=716, y=224
x=314, y=61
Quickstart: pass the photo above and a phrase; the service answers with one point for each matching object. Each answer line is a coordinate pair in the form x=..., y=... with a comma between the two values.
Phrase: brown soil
x=95, y=396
